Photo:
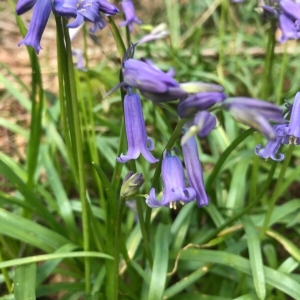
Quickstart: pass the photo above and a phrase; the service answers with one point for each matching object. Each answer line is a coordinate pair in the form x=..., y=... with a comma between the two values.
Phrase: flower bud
x=131, y=183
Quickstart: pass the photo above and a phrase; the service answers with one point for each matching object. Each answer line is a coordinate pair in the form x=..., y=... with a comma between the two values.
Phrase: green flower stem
x=74, y=129
x=80, y=160
x=117, y=36
x=281, y=75
x=224, y=156
x=62, y=69
x=144, y=230
x=246, y=209
x=268, y=67
x=275, y=194
x=92, y=138
x=222, y=27
x=118, y=237
x=254, y=172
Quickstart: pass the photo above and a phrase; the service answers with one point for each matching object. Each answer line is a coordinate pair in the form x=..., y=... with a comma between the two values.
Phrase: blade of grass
x=255, y=257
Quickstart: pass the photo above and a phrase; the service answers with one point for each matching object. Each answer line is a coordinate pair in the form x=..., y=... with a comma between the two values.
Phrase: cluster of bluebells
x=194, y=102
x=80, y=10
x=286, y=133
x=288, y=14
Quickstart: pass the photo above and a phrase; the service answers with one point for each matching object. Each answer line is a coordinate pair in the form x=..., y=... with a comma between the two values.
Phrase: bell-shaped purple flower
x=292, y=130
x=194, y=170
x=200, y=101
x=202, y=125
x=290, y=8
x=255, y=113
x=288, y=29
x=24, y=5
x=154, y=84
x=138, y=142
x=85, y=10
x=40, y=16
x=272, y=147
x=174, y=184
x=205, y=123
x=130, y=16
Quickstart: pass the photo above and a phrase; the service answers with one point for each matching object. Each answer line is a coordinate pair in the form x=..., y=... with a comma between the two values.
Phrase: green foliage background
x=60, y=219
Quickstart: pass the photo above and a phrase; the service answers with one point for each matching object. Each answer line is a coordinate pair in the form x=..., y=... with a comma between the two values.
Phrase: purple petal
x=40, y=16
x=194, y=170
x=272, y=146
x=173, y=182
x=136, y=131
x=24, y=5
x=108, y=8
x=205, y=122
x=200, y=101
x=288, y=29
x=290, y=8
x=130, y=16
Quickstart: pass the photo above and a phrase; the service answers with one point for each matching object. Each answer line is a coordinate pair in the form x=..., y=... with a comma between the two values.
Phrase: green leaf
x=255, y=256
x=291, y=248
x=30, y=232
x=64, y=204
x=37, y=258
x=160, y=263
x=29, y=196
x=186, y=281
x=24, y=283
x=274, y=278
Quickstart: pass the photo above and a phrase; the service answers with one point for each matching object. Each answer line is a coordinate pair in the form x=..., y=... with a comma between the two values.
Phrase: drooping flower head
x=200, y=101
x=152, y=83
x=288, y=14
x=173, y=183
x=130, y=16
x=202, y=125
x=81, y=10
x=292, y=130
x=255, y=113
x=40, y=16
x=194, y=170
x=138, y=142
x=272, y=147
x=85, y=10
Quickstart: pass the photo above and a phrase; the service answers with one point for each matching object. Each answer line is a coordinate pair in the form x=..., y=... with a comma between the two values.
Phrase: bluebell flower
x=290, y=8
x=152, y=83
x=292, y=129
x=174, y=184
x=288, y=14
x=194, y=170
x=200, y=101
x=288, y=29
x=202, y=125
x=255, y=113
x=158, y=32
x=205, y=122
x=40, y=16
x=272, y=147
x=85, y=10
x=138, y=142
x=130, y=16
